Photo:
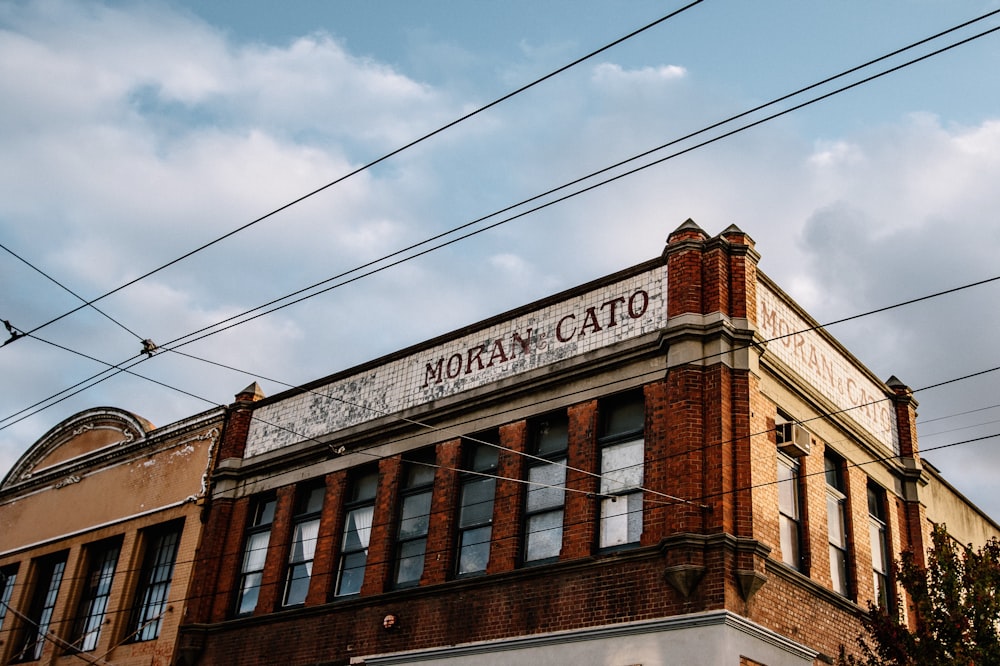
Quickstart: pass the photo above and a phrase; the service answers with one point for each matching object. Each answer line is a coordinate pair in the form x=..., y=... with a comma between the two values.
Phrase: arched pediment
x=81, y=436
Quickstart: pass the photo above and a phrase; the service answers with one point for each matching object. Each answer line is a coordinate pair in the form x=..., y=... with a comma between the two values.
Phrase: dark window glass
x=49, y=577
x=414, y=518
x=8, y=577
x=546, y=494
x=475, y=514
x=836, y=516
x=102, y=559
x=305, y=531
x=154, y=580
x=878, y=533
x=357, y=533
x=254, y=553
x=622, y=464
x=789, y=518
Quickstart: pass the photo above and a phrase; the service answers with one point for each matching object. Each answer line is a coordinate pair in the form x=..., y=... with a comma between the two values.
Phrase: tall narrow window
x=475, y=514
x=304, y=534
x=789, y=519
x=622, y=454
x=546, y=494
x=43, y=602
x=357, y=532
x=880, y=544
x=836, y=501
x=154, y=580
x=414, y=518
x=8, y=577
x=254, y=554
x=102, y=558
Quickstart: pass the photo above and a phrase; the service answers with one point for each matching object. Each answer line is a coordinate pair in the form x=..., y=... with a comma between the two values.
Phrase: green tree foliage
x=956, y=607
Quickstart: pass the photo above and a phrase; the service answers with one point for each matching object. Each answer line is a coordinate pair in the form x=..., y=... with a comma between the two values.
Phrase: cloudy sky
x=132, y=133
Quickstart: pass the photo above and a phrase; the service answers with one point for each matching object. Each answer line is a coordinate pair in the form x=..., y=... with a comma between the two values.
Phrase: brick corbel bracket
x=750, y=581
x=684, y=577
x=685, y=555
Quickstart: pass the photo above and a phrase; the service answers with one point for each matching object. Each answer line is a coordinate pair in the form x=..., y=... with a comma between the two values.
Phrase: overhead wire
x=420, y=424
x=576, y=181
x=67, y=289
x=381, y=159
x=592, y=186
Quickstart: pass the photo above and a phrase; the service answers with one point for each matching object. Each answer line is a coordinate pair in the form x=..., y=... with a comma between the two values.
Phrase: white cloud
x=613, y=75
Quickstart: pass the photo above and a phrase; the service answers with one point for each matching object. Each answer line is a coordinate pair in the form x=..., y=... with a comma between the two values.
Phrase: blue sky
x=134, y=132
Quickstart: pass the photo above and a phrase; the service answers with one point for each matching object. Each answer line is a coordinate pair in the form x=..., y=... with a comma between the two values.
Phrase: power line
x=688, y=452
x=65, y=288
x=379, y=160
x=578, y=192
x=570, y=184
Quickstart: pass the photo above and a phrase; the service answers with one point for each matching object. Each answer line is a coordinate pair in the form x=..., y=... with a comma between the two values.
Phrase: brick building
x=671, y=464
x=99, y=523
x=668, y=465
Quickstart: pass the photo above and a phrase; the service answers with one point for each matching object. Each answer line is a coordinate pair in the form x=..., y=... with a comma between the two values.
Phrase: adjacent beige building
x=99, y=522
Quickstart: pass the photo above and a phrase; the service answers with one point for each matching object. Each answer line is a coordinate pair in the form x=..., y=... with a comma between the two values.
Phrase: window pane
x=789, y=541
x=484, y=458
x=876, y=532
x=835, y=521
x=249, y=593
x=7, y=579
x=352, y=575
x=788, y=501
x=621, y=520
x=298, y=583
x=364, y=487
x=545, y=496
x=838, y=569
x=419, y=475
x=253, y=559
x=94, y=600
x=544, y=536
x=314, y=500
x=415, y=515
x=474, y=552
x=158, y=569
x=551, y=434
x=358, y=528
x=304, y=541
x=621, y=466
x=265, y=513
x=477, y=502
x=42, y=605
x=411, y=561
x=626, y=416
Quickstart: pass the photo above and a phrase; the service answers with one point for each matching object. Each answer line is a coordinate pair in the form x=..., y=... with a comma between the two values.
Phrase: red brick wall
x=580, y=519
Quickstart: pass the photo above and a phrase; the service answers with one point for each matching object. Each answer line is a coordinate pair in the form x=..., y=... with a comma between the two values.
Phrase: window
x=836, y=500
x=102, y=558
x=357, y=532
x=305, y=532
x=43, y=601
x=8, y=577
x=254, y=553
x=622, y=453
x=546, y=495
x=789, y=518
x=414, y=518
x=154, y=580
x=475, y=514
x=880, y=544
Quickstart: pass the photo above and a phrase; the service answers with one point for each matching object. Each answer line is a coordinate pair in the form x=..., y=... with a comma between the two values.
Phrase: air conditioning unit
x=793, y=439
